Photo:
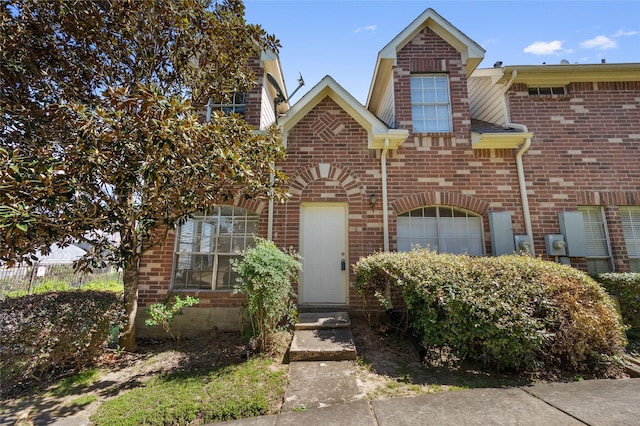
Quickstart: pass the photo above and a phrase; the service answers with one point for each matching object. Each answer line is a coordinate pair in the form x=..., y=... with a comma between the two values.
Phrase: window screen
x=630, y=217
x=598, y=254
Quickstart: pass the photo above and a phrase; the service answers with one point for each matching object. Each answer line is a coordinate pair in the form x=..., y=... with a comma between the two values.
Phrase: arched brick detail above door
x=350, y=183
x=431, y=198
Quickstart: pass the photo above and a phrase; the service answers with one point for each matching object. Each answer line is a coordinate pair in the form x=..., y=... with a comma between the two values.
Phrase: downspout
x=519, y=166
x=385, y=209
x=523, y=193
x=270, y=214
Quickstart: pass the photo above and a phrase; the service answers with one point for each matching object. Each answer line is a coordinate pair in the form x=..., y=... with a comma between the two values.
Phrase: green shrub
x=52, y=334
x=266, y=274
x=163, y=313
x=626, y=287
x=507, y=312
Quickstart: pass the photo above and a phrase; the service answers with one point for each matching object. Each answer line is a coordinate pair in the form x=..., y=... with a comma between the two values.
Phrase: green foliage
x=100, y=131
x=163, y=313
x=53, y=334
x=246, y=390
x=626, y=287
x=507, y=312
x=266, y=274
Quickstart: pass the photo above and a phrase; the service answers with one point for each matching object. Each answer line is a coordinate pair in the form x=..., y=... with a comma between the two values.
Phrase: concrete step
x=322, y=320
x=322, y=336
x=322, y=345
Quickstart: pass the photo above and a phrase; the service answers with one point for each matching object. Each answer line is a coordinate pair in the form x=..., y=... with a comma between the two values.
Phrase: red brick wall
x=442, y=168
x=586, y=151
x=154, y=281
x=254, y=96
x=327, y=134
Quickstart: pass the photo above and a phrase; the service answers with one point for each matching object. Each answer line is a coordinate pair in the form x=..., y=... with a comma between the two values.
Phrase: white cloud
x=544, y=47
x=621, y=33
x=367, y=28
x=599, y=42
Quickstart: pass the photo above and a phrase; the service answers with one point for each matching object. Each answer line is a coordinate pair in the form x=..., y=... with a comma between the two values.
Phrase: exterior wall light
x=372, y=201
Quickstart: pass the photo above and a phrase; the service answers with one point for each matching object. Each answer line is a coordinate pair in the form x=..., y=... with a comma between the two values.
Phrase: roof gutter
x=519, y=166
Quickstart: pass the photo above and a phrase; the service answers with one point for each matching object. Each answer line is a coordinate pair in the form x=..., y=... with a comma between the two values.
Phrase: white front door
x=323, y=246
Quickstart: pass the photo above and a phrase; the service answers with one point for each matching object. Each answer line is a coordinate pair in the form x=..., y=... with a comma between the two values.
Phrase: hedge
x=49, y=335
x=626, y=288
x=508, y=312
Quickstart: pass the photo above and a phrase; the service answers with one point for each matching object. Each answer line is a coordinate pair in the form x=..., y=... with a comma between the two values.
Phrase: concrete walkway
x=323, y=391
x=591, y=402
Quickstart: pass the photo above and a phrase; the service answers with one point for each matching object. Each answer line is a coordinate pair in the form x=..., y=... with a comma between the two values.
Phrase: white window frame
x=598, y=249
x=430, y=102
x=237, y=104
x=630, y=218
x=229, y=230
x=440, y=238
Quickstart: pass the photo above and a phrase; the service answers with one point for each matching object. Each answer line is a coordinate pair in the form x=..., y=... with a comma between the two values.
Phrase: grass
x=83, y=400
x=250, y=389
x=75, y=383
x=104, y=282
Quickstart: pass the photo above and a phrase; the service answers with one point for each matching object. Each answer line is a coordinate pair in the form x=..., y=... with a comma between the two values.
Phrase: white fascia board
x=498, y=140
x=561, y=75
x=329, y=87
x=471, y=51
x=396, y=138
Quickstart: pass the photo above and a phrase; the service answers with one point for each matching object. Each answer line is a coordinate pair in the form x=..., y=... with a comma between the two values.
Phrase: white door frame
x=342, y=276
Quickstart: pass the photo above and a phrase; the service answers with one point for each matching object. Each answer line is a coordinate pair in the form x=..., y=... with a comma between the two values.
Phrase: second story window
x=535, y=91
x=236, y=105
x=430, y=103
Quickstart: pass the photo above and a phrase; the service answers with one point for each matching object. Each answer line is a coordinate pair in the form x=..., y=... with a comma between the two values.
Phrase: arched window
x=441, y=228
x=205, y=245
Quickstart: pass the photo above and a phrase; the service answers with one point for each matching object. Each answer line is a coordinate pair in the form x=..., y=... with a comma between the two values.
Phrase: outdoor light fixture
x=372, y=201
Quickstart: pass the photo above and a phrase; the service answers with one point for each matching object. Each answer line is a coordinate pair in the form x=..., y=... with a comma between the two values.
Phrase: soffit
x=561, y=75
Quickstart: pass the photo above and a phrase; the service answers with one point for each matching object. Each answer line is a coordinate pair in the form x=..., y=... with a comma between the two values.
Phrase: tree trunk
x=130, y=281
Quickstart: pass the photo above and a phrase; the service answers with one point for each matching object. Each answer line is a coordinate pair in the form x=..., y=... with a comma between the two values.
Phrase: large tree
x=101, y=131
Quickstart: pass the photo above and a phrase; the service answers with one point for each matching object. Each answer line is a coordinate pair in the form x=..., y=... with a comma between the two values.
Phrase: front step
x=322, y=320
x=323, y=337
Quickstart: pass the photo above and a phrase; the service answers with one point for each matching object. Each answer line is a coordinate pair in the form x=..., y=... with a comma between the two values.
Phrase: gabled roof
x=377, y=130
x=472, y=54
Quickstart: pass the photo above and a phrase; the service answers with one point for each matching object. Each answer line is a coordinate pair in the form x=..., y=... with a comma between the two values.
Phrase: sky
x=342, y=38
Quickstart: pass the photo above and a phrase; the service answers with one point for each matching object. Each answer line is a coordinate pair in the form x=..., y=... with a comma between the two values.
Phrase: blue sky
x=343, y=38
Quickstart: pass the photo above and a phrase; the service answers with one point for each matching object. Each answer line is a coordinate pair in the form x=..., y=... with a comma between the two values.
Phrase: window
x=630, y=217
x=547, y=91
x=443, y=229
x=430, y=103
x=595, y=228
x=237, y=105
x=205, y=245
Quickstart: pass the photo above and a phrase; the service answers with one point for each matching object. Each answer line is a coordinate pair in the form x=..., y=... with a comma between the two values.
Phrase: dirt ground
x=389, y=365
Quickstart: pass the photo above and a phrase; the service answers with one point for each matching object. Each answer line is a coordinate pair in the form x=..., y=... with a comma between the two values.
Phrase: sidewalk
x=591, y=402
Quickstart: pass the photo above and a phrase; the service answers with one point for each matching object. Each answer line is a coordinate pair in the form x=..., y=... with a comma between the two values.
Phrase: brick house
x=542, y=158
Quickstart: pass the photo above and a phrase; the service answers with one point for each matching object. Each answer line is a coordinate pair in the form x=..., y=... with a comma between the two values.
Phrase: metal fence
x=50, y=276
